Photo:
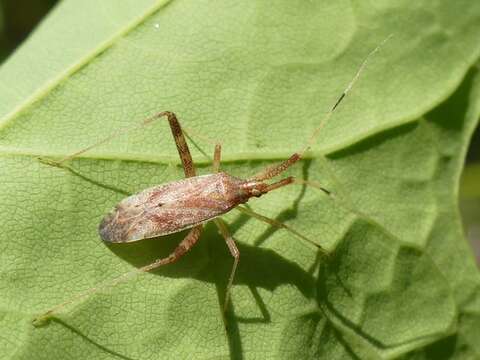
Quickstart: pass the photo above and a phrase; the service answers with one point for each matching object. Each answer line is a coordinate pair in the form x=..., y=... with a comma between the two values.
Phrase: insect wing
x=169, y=208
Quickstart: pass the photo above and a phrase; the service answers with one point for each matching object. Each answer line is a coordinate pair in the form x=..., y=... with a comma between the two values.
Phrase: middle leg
x=216, y=158
x=280, y=225
x=216, y=143
x=222, y=227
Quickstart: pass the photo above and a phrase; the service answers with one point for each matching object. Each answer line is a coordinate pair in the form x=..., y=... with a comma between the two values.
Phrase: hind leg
x=185, y=245
x=232, y=247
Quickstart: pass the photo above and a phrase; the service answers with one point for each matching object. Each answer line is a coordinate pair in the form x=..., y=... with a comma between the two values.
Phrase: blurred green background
x=19, y=17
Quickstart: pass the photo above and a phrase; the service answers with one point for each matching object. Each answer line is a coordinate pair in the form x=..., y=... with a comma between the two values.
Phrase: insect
x=190, y=202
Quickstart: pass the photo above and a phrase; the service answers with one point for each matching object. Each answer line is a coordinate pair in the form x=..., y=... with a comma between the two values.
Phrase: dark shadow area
x=373, y=141
x=451, y=114
x=91, y=341
x=442, y=349
x=210, y=261
x=19, y=18
x=266, y=318
x=219, y=260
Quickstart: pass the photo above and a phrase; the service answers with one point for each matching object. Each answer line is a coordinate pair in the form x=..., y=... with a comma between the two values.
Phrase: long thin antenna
x=277, y=169
x=317, y=131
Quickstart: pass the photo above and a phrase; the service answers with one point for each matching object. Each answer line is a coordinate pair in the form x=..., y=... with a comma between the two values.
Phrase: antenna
x=349, y=87
x=277, y=169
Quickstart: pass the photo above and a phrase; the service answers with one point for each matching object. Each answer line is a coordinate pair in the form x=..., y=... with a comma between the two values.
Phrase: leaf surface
x=400, y=281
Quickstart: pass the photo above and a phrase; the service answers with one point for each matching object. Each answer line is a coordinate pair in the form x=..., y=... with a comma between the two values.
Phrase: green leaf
x=400, y=280
x=470, y=179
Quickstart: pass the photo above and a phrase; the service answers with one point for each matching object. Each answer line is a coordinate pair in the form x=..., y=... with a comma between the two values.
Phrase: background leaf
x=401, y=281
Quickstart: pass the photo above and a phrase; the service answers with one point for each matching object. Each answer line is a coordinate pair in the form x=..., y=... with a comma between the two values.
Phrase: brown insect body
x=176, y=206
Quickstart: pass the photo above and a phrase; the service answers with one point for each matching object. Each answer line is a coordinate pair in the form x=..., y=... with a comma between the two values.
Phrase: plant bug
x=189, y=203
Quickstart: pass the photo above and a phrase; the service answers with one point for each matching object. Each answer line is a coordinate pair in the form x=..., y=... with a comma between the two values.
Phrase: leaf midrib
x=226, y=157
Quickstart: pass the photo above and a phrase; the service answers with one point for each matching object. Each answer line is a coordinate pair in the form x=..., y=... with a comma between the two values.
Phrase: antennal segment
x=349, y=87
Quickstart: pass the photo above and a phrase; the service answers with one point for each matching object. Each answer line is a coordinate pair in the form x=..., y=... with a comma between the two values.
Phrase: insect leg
x=175, y=127
x=186, y=244
x=182, y=147
x=217, y=144
x=216, y=158
x=280, y=225
x=222, y=227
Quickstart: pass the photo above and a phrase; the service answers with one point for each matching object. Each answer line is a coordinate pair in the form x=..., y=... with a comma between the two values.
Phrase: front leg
x=222, y=227
x=182, y=147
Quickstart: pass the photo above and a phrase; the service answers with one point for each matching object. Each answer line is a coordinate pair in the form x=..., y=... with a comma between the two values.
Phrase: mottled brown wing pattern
x=171, y=207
